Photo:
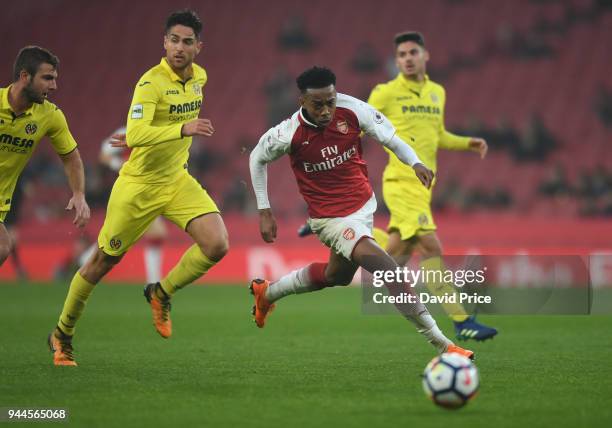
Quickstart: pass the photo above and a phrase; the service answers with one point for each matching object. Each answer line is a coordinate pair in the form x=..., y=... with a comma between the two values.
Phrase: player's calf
x=98, y=265
x=5, y=244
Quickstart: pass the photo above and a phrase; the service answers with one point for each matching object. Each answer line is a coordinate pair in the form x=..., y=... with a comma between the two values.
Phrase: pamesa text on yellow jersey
x=416, y=109
x=162, y=103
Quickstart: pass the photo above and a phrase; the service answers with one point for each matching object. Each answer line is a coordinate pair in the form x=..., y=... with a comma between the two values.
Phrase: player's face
x=39, y=86
x=320, y=104
x=181, y=46
x=411, y=59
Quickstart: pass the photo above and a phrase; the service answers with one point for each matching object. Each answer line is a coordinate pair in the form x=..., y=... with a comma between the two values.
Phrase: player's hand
x=198, y=127
x=267, y=225
x=118, y=140
x=424, y=174
x=479, y=145
x=82, y=213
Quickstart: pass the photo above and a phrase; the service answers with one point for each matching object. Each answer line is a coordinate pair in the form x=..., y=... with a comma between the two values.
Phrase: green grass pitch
x=319, y=362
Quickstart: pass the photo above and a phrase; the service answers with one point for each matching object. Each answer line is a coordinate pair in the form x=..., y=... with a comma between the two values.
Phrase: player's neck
x=184, y=74
x=17, y=99
x=416, y=78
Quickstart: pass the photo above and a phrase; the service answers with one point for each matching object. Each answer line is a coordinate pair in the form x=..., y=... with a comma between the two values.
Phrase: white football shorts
x=341, y=234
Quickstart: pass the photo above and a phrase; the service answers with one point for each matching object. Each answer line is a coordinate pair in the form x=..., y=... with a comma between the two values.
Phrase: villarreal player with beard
x=415, y=106
x=26, y=116
x=154, y=181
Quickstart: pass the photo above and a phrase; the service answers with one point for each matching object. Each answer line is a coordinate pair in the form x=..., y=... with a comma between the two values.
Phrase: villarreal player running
x=25, y=118
x=415, y=106
x=154, y=181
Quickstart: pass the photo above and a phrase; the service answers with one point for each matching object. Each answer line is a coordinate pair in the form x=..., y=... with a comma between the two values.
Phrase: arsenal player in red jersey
x=323, y=142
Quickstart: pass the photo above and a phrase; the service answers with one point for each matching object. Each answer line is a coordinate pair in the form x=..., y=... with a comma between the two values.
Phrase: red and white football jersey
x=327, y=162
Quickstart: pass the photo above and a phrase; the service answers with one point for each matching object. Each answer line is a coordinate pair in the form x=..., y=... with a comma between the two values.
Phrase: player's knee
x=216, y=249
x=103, y=261
x=431, y=251
x=339, y=279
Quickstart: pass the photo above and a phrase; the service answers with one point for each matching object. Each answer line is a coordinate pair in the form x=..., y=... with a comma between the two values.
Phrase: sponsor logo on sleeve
x=137, y=111
x=378, y=117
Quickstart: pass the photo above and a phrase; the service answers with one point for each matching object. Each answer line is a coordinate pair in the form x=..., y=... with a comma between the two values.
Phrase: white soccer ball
x=450, y=380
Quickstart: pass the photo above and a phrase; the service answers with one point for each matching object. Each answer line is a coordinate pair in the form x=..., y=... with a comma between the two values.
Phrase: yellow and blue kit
x=19, y=137
x=416, y=109
x=154, y=181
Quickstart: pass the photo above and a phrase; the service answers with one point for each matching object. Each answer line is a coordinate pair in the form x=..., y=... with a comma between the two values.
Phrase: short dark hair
x=315, y=78
x=185, y=17
x=409, y=36
x=30, y=58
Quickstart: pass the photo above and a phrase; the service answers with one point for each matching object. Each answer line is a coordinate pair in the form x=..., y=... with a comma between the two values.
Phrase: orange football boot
x=459, y=350
x=262, y=307
x=63, y=353
x=160, y=308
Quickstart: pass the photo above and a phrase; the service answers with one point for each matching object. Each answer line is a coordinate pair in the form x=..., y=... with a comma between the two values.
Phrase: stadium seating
x=105, y=46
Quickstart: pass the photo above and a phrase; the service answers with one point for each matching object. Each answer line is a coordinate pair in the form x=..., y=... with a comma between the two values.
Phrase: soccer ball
x=450, y=380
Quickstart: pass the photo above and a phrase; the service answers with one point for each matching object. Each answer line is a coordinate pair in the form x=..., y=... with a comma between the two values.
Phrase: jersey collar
x=411, y=84
x=173, y=76
x=306, y=121
x=5, y=105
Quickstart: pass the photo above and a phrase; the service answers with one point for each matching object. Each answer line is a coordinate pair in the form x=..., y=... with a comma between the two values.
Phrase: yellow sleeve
x=61, y=138
x=448, y=140
x=378, y=98
x=140, y=132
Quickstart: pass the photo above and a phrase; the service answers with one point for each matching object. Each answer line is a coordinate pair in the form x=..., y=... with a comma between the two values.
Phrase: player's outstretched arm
x=271, y=146
x=478, y=145
x=376, y=125
x=424, y=174
x=119, y=140
x=201, y=127
x=267, y=225
x=407, y=155
x=259, y=179
x=73, y=168
x=450, y=141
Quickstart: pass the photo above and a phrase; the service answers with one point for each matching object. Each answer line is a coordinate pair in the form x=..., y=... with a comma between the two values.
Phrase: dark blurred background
x=531, y=76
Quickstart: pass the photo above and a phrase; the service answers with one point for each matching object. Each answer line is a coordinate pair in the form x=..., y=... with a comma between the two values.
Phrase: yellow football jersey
x=416, y=109
x=20, y=135
x=162, y=103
